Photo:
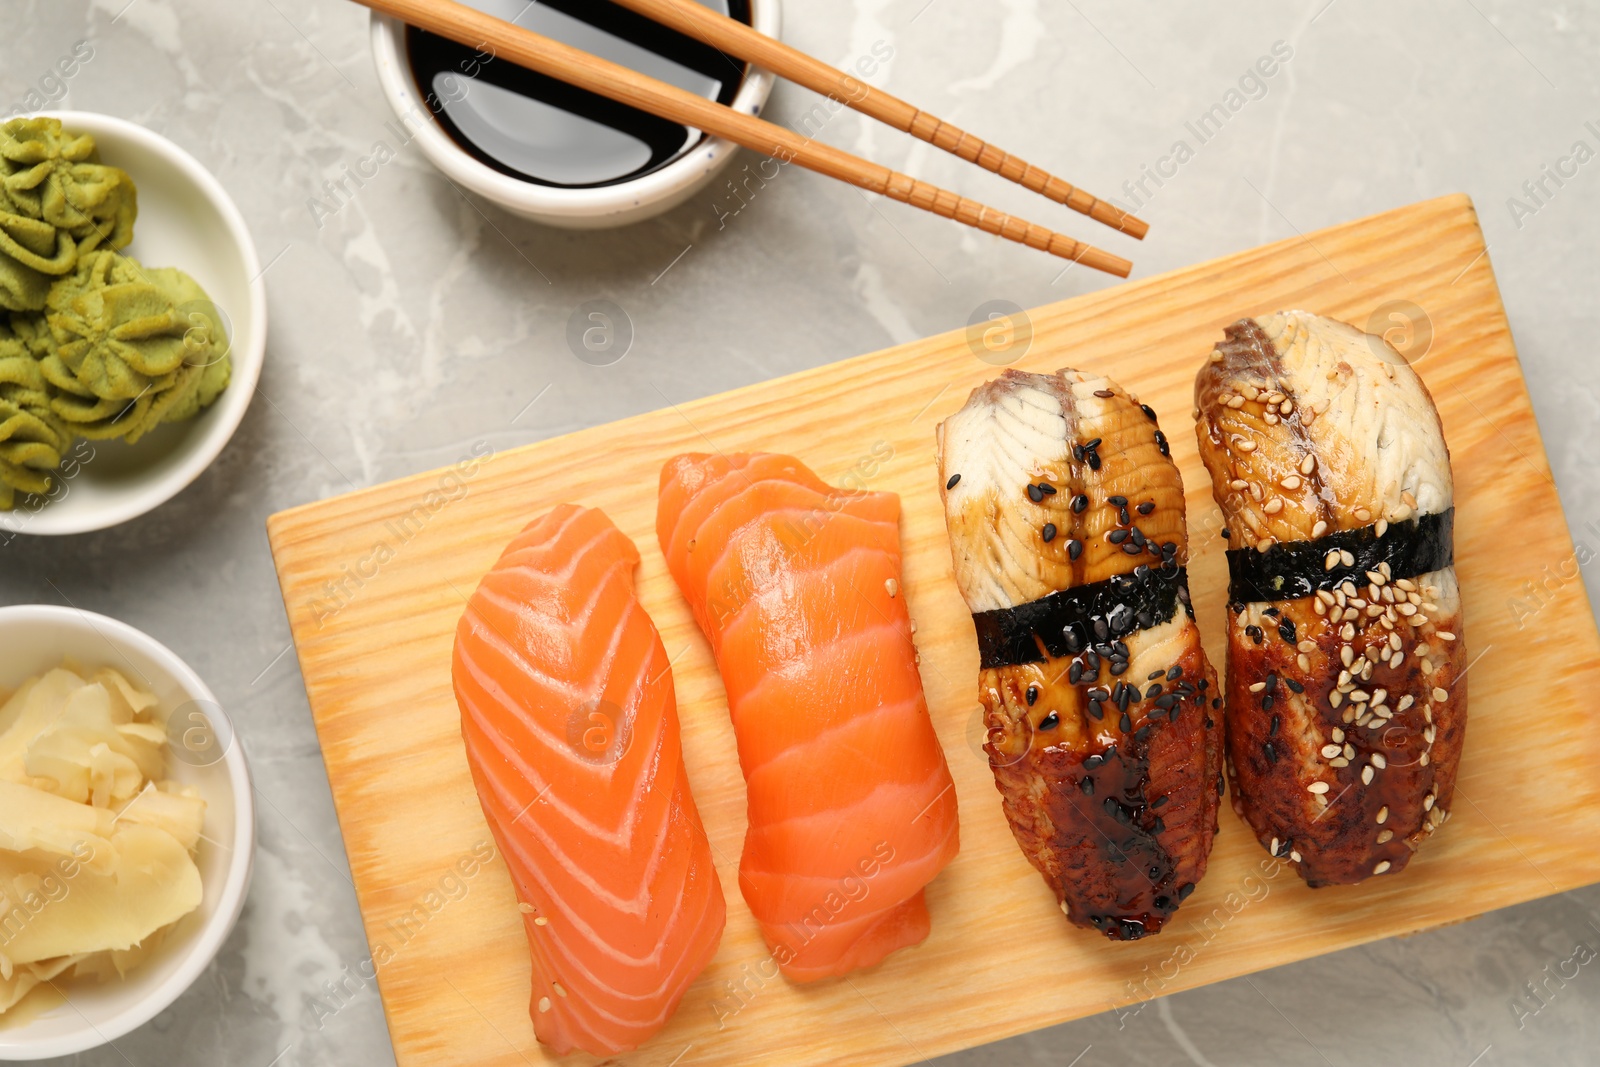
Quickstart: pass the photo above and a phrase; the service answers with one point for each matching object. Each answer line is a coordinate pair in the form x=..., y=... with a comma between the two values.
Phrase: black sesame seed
x=1161, y=902
x=1188, y=887
x=1160, y=802
x=1125, y=724
x=1137, y=536
x=1220, y=785
x=1079, y=502
x=1204, y=684
x=1090, y=446
x=1272, y=729
x=1161, y=443
x=1094, y=460
x=1074, y=548
x=1047, y=489
x=1077, y=453
x=1075, y=672
x=1048, y=533
x=1153, y=675
x=1123, y=517
x=1104, y=394
x=1272, y=680
x=1100, y=629
x=1266, y=702
x=1149, y=411
x=1145, y=619
x=1096, y=712
x=1174, y=673
x=1116, y=537
x=1294, y=685
x=1050, y=721
x=1131, y=549
x=1091, y=762
x=1169, y=548
x=1271, y=753
x=1143, y=734
x=1087, y=785
x=1158, y=714
x=1166, y=702
x=1119, y=666
x=1225, y=533
x=1270, y=611
x=1147, y=507
x=951, y=484
x=1034, y=494
x=1073, y=638
x=1153, y=692
x=1033, y=694
x=1216, y=702
x=1254, y=633
x=1099, y=693
x=1117, y=501
x=1286, y=631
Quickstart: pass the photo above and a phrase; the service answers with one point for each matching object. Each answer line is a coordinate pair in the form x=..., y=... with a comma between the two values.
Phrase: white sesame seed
x=1273, y=506
x=1303, y=662
x=525, y=908
x=1349, y=752
x=1238, y=483
x=1378, y=761
x=1363, y=515
x=1329, y=751
x=1318, y=788
x=1257, y=687
x=1445, y=635
x=1383, y=815
x=1338, y=761
x=1348, y=632
x=1366, y=775
x=1423, y=760
x=561, y=990
x=1405, y=702
x=1347, y=557
x=1335, y=698
x=544, y=1003
x=1319, y=529
x=1427, y=802
x=1294, y=855
x=1273, y=848
x=893, y=587
x=1337, y=734
x=1216, y=357
x=1308, y=464
x=541, y=921
x=1385, y=836
x=1306, y=645
x=1401, y=514
x=1291, y=483
x=1382, y=527
x=1410, y=500
x=1383, y=866
x=1331, y=561
x=1246, y=446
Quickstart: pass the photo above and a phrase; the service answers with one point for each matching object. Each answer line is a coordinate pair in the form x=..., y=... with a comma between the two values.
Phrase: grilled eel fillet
x=1346, y=701
x=1067, y=533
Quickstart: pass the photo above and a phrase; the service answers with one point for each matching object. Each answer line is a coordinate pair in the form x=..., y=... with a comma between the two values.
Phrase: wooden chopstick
x=468, y=26
x=738, y=39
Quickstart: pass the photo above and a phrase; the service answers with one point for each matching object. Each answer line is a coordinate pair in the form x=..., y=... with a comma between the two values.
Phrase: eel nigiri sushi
x=852, y=810
x=571, y=728
x=1067, y=532
x=1346, y=701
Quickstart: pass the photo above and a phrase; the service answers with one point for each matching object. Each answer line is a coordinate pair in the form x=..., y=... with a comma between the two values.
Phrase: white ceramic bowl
x=35, y=638
x=187, y=221
x=580, y=209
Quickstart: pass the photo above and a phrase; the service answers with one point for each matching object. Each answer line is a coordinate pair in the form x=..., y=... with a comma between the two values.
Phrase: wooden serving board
x=375, y=582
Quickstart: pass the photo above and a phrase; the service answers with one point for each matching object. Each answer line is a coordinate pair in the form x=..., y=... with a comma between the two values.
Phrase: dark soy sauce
x=545, y=131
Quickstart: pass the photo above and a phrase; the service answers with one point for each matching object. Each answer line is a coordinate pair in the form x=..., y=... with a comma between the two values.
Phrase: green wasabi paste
x=98, y=345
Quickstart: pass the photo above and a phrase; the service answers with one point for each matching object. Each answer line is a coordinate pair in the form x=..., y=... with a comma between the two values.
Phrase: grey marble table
x=411, y=320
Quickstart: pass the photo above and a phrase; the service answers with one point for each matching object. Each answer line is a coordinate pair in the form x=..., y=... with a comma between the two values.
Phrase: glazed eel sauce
x=1078, y=633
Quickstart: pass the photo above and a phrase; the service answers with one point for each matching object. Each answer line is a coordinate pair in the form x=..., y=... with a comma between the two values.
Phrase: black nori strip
x=1008, y=636
x=1293, y=569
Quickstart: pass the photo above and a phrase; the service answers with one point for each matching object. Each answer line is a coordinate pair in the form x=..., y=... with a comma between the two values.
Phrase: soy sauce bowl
x=618, y=203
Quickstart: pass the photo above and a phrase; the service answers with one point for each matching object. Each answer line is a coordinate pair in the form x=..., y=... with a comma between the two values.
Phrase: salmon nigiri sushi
x=571, y=729
x=852, y=811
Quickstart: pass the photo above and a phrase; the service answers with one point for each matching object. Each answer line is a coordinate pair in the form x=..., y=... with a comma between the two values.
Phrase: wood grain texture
x=375, y=581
